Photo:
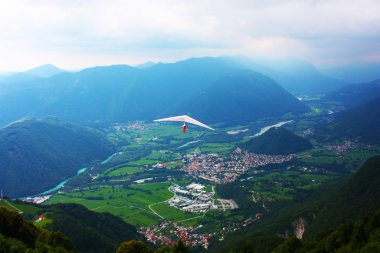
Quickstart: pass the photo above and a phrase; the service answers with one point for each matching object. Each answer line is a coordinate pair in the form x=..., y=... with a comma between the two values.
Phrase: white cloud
x=75, y=34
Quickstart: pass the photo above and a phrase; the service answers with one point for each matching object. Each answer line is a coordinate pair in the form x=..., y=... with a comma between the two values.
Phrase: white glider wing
x=184, y=118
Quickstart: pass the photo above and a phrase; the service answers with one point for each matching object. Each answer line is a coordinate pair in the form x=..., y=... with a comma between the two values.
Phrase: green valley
x=136, y=183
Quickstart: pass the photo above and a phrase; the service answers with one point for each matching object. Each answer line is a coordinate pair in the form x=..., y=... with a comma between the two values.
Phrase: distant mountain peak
x=46, y=70
x=146, y=65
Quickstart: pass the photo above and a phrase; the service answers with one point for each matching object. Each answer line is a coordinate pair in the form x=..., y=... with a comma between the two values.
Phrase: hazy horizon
x=80, y=34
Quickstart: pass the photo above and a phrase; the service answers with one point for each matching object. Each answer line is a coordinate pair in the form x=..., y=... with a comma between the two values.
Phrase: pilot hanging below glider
x=185, y=119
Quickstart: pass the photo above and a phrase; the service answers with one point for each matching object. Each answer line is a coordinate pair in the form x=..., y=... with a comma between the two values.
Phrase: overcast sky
x=77, y=34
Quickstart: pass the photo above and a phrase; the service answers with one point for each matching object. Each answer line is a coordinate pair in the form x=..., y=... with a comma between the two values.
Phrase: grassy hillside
x=277, y=141
x=35, y=155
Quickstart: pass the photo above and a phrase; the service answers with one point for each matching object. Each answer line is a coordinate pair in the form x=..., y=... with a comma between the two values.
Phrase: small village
x=194, y=198
x=220, y=170
x=340, y=149
x=169, y=232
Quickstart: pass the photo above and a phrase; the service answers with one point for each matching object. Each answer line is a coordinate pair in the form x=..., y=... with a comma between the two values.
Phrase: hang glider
x=185, y=119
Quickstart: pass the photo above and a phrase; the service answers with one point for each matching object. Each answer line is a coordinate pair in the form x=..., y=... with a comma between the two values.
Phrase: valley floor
x=146, y=182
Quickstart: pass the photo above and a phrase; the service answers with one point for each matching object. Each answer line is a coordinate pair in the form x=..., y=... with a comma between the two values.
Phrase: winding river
x=61, y=184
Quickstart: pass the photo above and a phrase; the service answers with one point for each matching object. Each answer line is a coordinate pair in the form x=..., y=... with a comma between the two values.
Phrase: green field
x=131, y=204
x=20, y=207
x=123, y=171
x=43, y=222
x=172, y=213
x=153, y=134
x=159, y=156
x=283, y=185
x=221, y=148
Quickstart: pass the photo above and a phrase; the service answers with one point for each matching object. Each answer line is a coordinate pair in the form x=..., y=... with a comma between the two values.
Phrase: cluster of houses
x=221, y=170
x=340, y=149
x=37, y=199
x=168, y=233
x=308, y=131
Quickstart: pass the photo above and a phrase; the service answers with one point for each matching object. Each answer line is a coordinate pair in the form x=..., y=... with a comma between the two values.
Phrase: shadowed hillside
x=90, y=231
x=239, y=97
x=36, y=155
x=343, y=203
x=277, y=141
x=360, y=123
x=356, y=94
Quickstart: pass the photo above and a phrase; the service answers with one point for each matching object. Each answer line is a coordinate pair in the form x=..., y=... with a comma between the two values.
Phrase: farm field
x=131, y=203
x=20, y=207
x=283, y=185
x=123, y=171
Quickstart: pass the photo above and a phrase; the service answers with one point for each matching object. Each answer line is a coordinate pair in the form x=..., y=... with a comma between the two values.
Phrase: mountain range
x=37, y=154
x=43, y=71
x=121, y=93
x=356, y=94
x=301, y=77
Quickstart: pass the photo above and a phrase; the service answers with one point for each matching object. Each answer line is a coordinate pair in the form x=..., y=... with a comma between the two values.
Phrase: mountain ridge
x=241, y=96
x=44, y=71
x=121, y=93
